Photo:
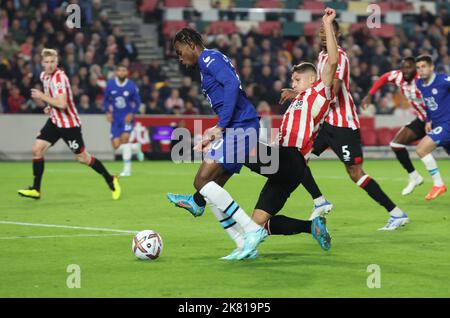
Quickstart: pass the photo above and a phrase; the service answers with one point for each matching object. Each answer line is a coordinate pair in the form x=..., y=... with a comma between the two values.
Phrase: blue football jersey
x=121, y=98
x=437, y=98
x=222, y=87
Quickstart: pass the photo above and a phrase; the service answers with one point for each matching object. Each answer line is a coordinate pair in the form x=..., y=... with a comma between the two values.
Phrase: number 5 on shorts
x=345, y=153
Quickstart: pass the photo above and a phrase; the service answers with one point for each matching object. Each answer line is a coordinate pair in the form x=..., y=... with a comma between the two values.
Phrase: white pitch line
x=68, y=227
x=59, y=236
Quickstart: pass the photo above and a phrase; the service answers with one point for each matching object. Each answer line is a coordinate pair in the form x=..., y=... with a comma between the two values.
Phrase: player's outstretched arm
x=331, y=66
x=379, y=83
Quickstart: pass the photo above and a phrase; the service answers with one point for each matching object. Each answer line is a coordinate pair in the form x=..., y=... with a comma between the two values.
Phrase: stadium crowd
x=90, y=54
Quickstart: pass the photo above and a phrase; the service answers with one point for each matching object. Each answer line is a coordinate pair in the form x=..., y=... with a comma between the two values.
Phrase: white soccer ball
x=147, y=245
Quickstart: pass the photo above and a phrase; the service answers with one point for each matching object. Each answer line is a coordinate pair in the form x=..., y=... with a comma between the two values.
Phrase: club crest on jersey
x=126, y=93
x=297, y=104
x=434, y=91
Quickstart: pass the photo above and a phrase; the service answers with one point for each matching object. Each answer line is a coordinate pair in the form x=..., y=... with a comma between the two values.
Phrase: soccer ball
x=147, y=245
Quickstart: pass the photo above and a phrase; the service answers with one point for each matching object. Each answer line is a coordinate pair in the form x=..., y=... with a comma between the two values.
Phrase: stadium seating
x=314, y=6
x=268, y=4
x=293, y=29
x=312, y=28
x=148, y=5
x=369, y=137
x=226, y=27
x=176, y=3
x=168, y=26
x=384, y=136
x=266, y=27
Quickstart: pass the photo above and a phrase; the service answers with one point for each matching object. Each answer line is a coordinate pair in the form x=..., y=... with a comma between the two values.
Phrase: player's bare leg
x=112, y=181
x=123, y=144
x=406, y=136
x=424, y=150
x=397, y=216
x=38, y=149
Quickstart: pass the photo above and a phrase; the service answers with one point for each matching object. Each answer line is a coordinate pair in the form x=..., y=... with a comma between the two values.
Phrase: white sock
x=126, y=156
x=396, y=212
x=432, y=168
x=319, y=200
x=225, y=203
x=414, y=175
x=233, y=229
x=136, y=147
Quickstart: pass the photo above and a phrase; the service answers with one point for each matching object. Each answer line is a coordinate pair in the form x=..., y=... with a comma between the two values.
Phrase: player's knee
x=84, y=158
x=37, y=151
x=201, y=179
x=420, y=152
x=355, y=172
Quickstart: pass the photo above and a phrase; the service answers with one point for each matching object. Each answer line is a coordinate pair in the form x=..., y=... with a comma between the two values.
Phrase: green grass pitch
x=414, y=261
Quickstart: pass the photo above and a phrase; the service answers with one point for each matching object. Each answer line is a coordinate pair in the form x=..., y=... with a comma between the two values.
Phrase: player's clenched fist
x=36, y=94
x=329, y=16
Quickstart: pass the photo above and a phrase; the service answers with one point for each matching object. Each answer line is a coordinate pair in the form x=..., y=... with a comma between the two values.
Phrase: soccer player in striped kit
x=340, y=131
x=64, y=123
x=405, y=79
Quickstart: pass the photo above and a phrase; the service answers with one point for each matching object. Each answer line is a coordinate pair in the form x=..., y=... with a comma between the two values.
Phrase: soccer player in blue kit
x=435, y=89
x=236, y=133
x=119, y=95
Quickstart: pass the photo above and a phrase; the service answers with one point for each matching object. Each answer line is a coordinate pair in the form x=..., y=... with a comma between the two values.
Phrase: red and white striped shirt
x=303, y=117
x=342, y=109
x=409, y=90
x=56, y=84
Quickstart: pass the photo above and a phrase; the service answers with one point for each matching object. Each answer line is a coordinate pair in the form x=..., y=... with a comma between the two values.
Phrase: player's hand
x=210, y=135
x=47, y=110
x=428, y=127
x=37, y=94
x=129, y=118
x=366, y=101
x=203, y=146
x=109, y=117
x=329, y=16
x=287, y=95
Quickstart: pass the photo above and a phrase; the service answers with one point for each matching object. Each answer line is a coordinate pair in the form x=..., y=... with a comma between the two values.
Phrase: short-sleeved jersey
x=121, y=98
x=342, y=109
x=55, y=84
x=303, y=117
x=436, y=95
x=221, y=86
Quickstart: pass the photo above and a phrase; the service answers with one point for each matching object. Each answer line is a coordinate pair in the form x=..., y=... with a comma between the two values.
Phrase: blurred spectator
x=264, y=109
x=189, y=108
x=155, y=72
x=15, y=100
x=84, y=105
x=128, y=49
x=174, y=100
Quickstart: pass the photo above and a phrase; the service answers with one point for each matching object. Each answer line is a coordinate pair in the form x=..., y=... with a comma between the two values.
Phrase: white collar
x=431, y=81
x=118, y=83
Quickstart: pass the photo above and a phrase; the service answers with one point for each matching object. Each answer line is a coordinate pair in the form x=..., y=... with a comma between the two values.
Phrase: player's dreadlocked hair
x=410, y=59
x=188, y=36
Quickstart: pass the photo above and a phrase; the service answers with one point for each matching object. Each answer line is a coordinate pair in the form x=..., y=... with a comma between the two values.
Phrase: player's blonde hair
x=49, y=52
